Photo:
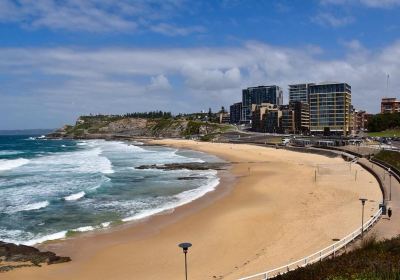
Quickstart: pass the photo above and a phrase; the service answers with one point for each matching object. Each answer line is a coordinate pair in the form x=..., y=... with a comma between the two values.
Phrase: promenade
x=386, y=228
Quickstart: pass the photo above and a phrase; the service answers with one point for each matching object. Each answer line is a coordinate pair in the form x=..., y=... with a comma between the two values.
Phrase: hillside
x=119, y=126
x=373, y=261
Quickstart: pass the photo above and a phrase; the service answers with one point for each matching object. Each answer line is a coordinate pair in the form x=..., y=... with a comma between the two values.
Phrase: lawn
x=390, y=157
x=386, y=133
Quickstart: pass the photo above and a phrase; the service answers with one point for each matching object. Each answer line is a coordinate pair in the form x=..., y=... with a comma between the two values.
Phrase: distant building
x=390, y=105
x=330, y=108
x=223, y=117
x=235, y=113
x=258, y=95
x=299, y=92
x=265, y=117
x=287, y=120
x=359, y=121
x=301, y=113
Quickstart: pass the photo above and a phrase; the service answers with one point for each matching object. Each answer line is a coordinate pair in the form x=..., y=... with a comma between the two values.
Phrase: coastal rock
x=192, y=178
x=187, y=165
x=11, y=254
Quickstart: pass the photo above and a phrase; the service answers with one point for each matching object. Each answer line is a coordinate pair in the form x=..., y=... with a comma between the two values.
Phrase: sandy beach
x=267, y=211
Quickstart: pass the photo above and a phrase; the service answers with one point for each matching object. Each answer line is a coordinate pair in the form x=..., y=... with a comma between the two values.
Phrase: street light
x=185, y=247
x=363, y=200
x=390, y=186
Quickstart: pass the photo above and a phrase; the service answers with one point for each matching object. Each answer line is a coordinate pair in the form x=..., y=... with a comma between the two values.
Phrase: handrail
x=318, y=256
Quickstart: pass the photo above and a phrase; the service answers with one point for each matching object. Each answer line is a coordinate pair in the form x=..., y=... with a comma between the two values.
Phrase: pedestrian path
x=386, y=228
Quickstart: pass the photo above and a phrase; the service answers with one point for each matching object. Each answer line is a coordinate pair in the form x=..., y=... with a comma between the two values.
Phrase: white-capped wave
x=75, y=196
x=8, y=164
x=27, y=207
x=84, y=161
x=54, y=236
x=83, y=229
x=10, y=153
x=180, y=199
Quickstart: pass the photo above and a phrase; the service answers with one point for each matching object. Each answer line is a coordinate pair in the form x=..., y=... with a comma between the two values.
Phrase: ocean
x=50, y=189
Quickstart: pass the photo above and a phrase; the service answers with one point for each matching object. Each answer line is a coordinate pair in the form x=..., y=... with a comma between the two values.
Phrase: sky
x=63, y=58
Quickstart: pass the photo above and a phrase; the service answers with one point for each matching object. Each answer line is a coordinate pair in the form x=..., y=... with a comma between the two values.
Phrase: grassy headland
x=142, y=125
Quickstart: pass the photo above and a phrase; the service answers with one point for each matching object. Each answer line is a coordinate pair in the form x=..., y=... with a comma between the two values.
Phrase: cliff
x=88, y=127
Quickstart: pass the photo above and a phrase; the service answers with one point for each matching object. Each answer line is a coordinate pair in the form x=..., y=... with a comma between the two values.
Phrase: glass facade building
x=236, y=113
x=330, y=108
x=258, y=95
x=299, y=92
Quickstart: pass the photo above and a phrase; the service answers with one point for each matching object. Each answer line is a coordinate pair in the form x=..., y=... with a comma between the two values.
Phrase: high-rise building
x=287, y=121
x=258, y=95
x=236, y=113
x=299, y=92
x=390, y=105
x=301, y=113
x=330, y=108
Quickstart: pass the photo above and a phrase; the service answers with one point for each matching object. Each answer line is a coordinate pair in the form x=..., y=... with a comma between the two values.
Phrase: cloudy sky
x=63, y=58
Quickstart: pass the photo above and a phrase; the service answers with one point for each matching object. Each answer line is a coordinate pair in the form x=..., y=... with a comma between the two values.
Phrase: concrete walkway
x=386, y=228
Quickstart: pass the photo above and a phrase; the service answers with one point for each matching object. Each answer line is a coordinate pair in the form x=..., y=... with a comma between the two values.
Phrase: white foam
x=84, y=229
x=54, y=236
x=8, y=164
x=10, y=153
x=183, y=198
x=27, y=207
x=75, y=196
x=105, y=224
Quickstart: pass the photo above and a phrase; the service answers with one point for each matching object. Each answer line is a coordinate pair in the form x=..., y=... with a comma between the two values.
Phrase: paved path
x=386, y=228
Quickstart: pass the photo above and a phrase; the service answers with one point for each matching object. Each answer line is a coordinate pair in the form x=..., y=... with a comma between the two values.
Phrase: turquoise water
x=51, y=187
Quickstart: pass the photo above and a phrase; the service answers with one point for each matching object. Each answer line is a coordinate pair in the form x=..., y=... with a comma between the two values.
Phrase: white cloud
x=172, y=30
x=329, y=19
x=368, y=3
x=97, y=15
x=60, y=82
x=159, y=83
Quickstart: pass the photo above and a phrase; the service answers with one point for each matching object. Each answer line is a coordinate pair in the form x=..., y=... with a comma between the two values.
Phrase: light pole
x=185, y=247
x=363, y=200
x=390, y=186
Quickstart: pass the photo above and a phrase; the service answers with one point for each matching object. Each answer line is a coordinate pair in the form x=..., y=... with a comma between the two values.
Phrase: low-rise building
x=390, y=105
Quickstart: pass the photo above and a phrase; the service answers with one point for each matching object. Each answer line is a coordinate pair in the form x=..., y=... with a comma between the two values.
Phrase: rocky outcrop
x=110, y=127
x=13, y=256
x=188, y=166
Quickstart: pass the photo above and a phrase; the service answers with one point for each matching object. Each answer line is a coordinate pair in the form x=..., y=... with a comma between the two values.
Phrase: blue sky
x=60, y=59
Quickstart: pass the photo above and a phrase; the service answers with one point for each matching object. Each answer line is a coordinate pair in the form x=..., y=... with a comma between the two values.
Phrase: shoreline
x=149, y=230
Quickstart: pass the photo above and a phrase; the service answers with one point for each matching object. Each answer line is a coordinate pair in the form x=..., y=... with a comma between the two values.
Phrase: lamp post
x=185, y=247
x=390, y=186
x=363, y=200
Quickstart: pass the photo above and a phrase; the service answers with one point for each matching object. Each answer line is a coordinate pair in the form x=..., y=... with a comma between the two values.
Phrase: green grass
x=390, y=157
x=373, y=261
x=386, y=133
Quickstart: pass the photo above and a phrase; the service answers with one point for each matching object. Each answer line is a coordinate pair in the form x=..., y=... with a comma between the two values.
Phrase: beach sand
x=268, y=212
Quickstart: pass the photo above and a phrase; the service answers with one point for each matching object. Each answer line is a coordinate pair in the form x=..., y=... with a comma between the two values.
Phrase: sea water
x=52, y=188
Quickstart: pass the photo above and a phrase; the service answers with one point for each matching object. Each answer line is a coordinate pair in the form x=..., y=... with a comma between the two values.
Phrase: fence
x=318, y=256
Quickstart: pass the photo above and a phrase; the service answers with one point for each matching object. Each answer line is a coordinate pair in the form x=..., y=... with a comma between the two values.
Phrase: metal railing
x=318, y=256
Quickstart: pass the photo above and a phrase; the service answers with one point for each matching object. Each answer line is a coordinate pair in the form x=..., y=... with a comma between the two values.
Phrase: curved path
x=386, y=228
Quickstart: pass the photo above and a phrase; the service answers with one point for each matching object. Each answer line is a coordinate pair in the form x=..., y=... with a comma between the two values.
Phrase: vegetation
x=143, y=115
x=372, y=261
x=382, y=122
x=390, y=157
x=386, y=133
